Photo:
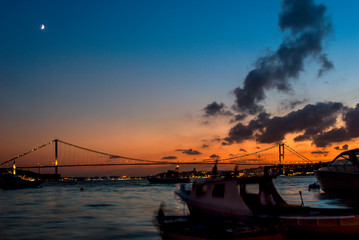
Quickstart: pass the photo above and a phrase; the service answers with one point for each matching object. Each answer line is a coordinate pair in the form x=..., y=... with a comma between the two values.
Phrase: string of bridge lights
x=204, y=161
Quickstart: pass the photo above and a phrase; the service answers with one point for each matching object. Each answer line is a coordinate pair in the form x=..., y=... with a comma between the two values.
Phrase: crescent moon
x=42, y=26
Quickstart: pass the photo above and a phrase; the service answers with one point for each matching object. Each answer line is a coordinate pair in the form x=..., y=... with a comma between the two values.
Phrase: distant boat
x=255, y=200
x=12, y=181
x=169, y=177
x=341, y=176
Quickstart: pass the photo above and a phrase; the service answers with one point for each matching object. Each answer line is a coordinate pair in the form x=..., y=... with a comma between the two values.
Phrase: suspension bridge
x=60, y=154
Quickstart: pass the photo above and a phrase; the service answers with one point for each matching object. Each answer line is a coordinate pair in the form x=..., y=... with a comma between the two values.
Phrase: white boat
x=255, y=200
x=341, y=176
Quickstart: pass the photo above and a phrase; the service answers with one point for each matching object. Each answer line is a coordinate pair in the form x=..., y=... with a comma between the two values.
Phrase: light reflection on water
x=104, y=210
x=111, y=209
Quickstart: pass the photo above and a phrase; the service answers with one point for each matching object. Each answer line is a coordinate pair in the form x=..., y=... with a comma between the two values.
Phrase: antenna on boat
x=214, y=169
x=300, y=193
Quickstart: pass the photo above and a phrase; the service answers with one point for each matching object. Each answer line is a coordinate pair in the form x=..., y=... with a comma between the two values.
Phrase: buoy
x=82, y=188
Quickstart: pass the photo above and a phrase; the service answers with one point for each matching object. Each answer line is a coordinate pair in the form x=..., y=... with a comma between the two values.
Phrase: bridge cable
x=297, y=154
x=32, y=150
x=112, y=155
x=246, y=155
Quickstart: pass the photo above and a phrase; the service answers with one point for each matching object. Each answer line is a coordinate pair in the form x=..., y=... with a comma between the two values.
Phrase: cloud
x=214, y=156
x=205, y=146
x=314, y=122
x=334, y=135
x=320, y=153
x=346, y=133
x=292, y=104
x=189, y=151
x=310, y=122
x=216, y=139
x=242, y=150
x=306, y=26
x=169, y=158
x=215, y=109
x=351, y=119
x=344, y=147
x=239, y=117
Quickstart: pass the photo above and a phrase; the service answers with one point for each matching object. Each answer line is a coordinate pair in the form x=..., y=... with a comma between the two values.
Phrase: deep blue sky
x=129, y=75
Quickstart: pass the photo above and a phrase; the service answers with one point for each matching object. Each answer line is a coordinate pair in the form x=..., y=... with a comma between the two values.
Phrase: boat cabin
x=345, y=160
x=244, y=196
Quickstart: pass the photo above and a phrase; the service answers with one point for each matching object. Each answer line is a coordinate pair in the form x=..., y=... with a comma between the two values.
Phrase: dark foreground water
x=111, y=209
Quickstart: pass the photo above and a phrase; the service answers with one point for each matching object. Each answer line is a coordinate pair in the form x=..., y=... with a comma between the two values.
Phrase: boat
x=341, y=176
x=13, y=181
x=255, y=200
x=169, y=177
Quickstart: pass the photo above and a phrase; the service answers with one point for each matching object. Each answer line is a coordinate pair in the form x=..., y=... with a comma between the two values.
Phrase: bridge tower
x=281, y=155
x=56, y=155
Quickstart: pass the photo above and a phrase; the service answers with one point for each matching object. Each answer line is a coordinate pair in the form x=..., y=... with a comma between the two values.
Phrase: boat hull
x=190, y=228
x=343, y=183
x=337, y=225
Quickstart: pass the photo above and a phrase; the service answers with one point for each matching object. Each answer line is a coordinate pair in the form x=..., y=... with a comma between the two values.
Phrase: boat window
x=201, y=190
x=218, y=190
x=342, y=160
x=357, y=155
x=252, y=188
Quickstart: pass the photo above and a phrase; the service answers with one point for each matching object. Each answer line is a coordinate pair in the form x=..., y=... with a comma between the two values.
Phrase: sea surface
x=113, y=209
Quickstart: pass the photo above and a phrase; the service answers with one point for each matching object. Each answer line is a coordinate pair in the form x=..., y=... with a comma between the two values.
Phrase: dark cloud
x=239, y=117
x=214, y=156
x=310, y=121
x=334, y=135
x=292, y=104
x=326, y=65
x=169, y=158
x=316, y=123
x=320, y=152
x=346, y=133
x=189, y=151
x=351, y=119
x=205, y=146
x=216, y=139
x=343, y=148
x=215, y=109
x=306, y=26
x=242, y=150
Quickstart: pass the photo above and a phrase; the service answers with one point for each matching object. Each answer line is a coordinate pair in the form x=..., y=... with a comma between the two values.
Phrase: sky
x=181, y=80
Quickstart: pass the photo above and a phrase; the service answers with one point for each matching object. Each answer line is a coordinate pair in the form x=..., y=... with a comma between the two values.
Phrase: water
x=111, y=209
